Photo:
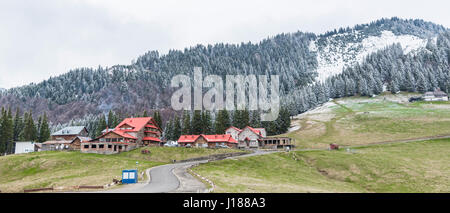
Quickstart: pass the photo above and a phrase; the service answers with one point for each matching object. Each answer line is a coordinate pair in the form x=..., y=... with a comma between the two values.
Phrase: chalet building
x=68, y=138
x=277, y=143
x=437, y=95
x=56, y=145
x=70, y=133
x=247, y=137
x=76, y=142
x=253, y=138
x=131, y=133
x=207, y=141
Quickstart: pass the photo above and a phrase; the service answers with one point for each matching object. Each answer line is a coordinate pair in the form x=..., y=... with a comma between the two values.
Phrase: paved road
x=162, y=179
x=172, y=178
x=175, y=178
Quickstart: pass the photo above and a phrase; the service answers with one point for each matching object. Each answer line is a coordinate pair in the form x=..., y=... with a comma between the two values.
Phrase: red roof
x=208, y=138
x=117, y=142
x=137, y=123
x=258, y=132
x=235, y=128
x=151, y=126
x=148, y=131
x=123, y=134
x=119, y=132
x=188, y=138
x=219, y=138
x=151, y=139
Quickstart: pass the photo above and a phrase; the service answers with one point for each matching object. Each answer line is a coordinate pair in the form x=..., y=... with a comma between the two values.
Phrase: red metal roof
x=208, y=138
x=117, y=142
x=188, y=138
x=119, y=132
x=219, y=138
x=151, y=139
x=123, y=134
x=138, y=123
x=258, y=132
x=151, y=126
x=240, y=130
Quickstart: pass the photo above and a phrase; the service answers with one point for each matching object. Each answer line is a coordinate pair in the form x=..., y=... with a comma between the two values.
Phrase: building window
x=109, y=146
x=101, y=146
x=108, y=139
x=86, y=146
x=114, y=139
x=94, y=146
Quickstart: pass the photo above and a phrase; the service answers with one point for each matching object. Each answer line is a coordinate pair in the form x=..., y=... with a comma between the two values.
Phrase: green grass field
x=360, y=120
x=402, y=167
x=51, y=168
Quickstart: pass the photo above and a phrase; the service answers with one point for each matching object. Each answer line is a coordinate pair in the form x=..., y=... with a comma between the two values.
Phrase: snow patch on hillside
x=336, y=55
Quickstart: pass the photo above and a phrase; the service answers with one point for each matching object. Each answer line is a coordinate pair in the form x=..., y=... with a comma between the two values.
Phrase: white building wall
x=233, y=132
x=247, y=133
x=24, y=147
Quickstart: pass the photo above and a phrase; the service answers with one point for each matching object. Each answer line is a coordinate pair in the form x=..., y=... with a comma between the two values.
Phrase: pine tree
x=186, y=130
x=176, y=126
x=101, y=125
x=145, y=114
x=207, y=123
x=222, y=122
x=255, y=119
x=169, y=133
x=157, y=118
x=6, y=131
x=18, y=126
x=111, y=119
x=245, y=118
x=44, y=131
x=30, y=132
x=197, y=125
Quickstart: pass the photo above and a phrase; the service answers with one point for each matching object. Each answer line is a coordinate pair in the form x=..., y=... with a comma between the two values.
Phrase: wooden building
x=131, y=133
x=254, y=138
x=277, y=143
x=208, y=141
x=56, y=145
x=69, y=133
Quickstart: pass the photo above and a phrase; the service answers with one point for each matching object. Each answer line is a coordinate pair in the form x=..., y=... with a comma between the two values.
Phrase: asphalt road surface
x=171, y=178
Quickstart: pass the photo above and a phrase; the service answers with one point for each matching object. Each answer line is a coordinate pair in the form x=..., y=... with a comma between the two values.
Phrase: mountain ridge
x=84, y=91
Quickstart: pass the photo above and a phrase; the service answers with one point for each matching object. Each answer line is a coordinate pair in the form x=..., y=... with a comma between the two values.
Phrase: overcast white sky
x=43, y=38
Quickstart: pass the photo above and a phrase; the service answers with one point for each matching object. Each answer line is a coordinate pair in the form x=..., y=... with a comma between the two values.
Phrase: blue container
x=129, y=176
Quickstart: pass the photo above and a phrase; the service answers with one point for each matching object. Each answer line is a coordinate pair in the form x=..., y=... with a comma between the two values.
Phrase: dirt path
x=385, y=142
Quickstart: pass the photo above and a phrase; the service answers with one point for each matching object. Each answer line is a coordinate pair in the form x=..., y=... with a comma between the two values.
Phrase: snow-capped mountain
x=336, y=52
x=300, y=59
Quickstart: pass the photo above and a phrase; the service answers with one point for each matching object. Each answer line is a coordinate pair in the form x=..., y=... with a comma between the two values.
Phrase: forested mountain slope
x=305, y=63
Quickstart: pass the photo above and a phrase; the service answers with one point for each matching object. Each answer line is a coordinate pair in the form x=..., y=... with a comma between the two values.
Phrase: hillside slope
x=63, y=169
x=402, y=168
x=361, y=120
x=298, y=58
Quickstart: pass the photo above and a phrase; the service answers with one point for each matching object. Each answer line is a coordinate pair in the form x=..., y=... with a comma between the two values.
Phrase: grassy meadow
x=361, y=120
x=401, y=167
x=56, y=169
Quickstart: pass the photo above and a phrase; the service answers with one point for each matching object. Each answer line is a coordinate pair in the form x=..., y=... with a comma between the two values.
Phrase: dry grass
x=404, y=167
x=57, y=169
x=359, y=121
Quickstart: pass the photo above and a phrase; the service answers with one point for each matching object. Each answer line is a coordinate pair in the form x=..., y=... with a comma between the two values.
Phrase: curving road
x=171, y=178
